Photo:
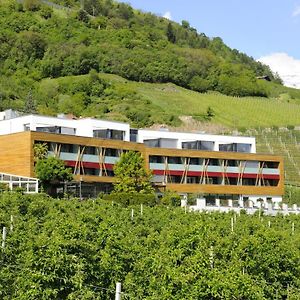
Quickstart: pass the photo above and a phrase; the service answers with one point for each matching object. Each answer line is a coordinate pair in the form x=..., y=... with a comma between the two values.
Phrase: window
x=190, y=145
x=133, y=135
x=154, y=143
x=156, y=159
x=226, y=147
x=232, y=163
x=49, y=129
x=69, y=148
x=246, y=148
x=196, y=161
x=249, y=181
x=210, y=200
x=109, y=134
x=206, y=145
x=235, y=147
x=111, y=152
x=90, y=150
x=100, y=133
x=192, y=179
x=198, y=145
x=175, y=179
x=214, y=162
x=175, y=160
x=271, y=164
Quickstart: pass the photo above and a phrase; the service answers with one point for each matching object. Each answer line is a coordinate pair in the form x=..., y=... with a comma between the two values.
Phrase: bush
x=126, y=199
x=171, y=199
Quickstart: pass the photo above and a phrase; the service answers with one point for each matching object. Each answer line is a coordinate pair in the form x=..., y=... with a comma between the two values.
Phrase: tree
x=210, y=113
x=185, y=24
x=131, y=174
x=29, y=107
x=171, y=34
x=52, y=170
x=40, y=151
x=32, y=5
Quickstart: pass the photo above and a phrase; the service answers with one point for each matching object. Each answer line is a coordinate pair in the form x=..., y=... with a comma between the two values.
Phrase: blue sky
x=259, y=28
x=256, y=27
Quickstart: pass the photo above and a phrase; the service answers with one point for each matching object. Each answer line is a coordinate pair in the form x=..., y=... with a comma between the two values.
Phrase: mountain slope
x=39, y=42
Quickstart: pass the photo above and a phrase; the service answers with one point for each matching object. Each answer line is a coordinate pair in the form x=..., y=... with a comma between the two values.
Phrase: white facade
x=81, y=127
x=181, y=137
x=10, y=122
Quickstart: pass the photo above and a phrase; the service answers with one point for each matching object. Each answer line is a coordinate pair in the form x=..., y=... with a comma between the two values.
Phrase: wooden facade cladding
x=16, y=157
x=16, y=154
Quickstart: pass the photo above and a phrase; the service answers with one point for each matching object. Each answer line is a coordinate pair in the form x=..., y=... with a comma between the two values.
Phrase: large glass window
x=175, y=160
x=133, y=135
x=156, y=159
x=90, y=150
x=271, y=164
x=111, y=152
x=69, y=148
x=226, y=147
x=175, y=179
x=190, y=145
x=235, y=147
x=109, y=134
x=100, y=133
x=154, y=143
x=196, y=161
x=243, y=148
x=49, y=129
x=198, y=145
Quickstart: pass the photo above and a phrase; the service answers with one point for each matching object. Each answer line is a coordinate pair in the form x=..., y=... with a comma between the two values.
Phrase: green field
x=171, y=100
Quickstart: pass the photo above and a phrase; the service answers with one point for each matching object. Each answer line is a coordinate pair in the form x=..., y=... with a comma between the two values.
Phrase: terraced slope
x=282, y=142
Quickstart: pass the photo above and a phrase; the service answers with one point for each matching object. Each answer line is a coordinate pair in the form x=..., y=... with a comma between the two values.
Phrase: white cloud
x=286, y=66
x=167, y=15
x=296, y=11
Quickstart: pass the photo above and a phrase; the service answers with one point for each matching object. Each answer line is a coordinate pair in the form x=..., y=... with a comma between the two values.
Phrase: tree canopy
x=52, y=170
x=132, y=175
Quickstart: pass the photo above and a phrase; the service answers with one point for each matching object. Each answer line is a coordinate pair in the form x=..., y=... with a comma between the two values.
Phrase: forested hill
x=39, y=41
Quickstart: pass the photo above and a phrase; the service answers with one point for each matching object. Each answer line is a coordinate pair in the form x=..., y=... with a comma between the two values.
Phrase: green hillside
x=39, y=41
x=144, y=104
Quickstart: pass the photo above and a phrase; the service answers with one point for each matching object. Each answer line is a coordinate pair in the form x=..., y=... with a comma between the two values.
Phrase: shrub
x=126, y=199
x=171, y=199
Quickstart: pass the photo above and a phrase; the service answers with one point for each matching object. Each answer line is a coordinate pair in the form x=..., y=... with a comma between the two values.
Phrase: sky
x=267, y=30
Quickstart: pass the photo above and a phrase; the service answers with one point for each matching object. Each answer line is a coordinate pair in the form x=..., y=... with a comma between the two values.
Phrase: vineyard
x=282, y=142
x=66, y=249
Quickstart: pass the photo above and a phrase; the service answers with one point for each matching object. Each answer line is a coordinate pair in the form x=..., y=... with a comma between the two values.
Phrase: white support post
x=132, y=214
x=231, y=224
x=141, y=209
x=3, y=237
x=118, y=291
x=293, y=228
x=211, y=257
x=11, y=223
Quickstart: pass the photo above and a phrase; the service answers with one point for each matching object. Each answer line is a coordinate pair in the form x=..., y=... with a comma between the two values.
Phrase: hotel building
x=214, y=167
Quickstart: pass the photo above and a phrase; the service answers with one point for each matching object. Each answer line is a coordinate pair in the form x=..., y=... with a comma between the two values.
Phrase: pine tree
x=29, y=107
x=171, y=34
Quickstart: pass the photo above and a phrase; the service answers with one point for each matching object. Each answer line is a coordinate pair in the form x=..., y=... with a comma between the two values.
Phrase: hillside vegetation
x=39, y=41
x=144, y=104
x=65, y=249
